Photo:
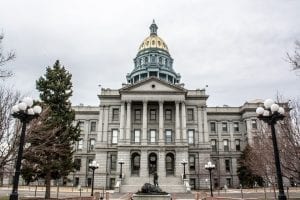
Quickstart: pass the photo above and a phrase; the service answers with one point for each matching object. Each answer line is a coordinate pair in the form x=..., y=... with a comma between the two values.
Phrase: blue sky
x=236, y=47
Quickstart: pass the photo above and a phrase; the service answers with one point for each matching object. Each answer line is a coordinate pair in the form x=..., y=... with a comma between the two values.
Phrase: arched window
x=135, y=164
x=160, y=60
x=170, y=164
x=152, y=163
x=153, y=42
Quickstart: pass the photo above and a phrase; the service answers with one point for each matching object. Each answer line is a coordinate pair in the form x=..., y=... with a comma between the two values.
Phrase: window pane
x=152, y=114
x=152, y=136
x=80, y=144
x=168, y=114
x=115, y=116
x=114, y=136
x=191, y=136
x=236, y=126
x=113, y=162
x=168, y=136
x=192, y=162
x=224, y=127
x=190, y=114
x=214, y=145
x=213, y=127
x=226, y=147
x=92, y=144
x=93, y=126
x=137, y=114
x=237, y=145
x=254, y=124
x=137, y=136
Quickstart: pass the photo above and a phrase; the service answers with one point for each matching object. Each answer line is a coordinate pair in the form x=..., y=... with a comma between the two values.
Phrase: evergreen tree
x=53, y=135
x=246, y=176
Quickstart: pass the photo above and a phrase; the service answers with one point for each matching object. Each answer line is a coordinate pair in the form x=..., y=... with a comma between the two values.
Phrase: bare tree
x=4, y=58
x=261, y=156
x=289, y=133
x=9, y=129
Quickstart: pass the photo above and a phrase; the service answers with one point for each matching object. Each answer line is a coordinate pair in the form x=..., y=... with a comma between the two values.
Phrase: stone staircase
x=167, y=184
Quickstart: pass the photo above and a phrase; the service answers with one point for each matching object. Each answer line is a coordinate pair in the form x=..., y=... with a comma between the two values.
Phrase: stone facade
x=152, y=123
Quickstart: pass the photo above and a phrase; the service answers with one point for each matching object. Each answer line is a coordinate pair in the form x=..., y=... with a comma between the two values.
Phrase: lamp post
x=210, y=167
x=121, y=162
x=270, y=114
x=184, y=162
x=25, y=113
x=93, y=166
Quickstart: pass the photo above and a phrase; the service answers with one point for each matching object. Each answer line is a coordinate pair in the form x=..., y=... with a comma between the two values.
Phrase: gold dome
x=153, y=41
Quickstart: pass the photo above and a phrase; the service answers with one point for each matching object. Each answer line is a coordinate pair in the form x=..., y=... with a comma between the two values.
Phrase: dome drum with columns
x=153, y=60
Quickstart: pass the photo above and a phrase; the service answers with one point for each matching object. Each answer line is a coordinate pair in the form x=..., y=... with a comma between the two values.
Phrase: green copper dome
x=153, y=59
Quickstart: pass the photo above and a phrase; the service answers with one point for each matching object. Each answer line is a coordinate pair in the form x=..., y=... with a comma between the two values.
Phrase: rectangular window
x=113, y=162
x=80, y=144
x=192, y=162
x=93, y=126
x=168, y=136
x=225, y=143
x=237, y=145
x=152, y=114
x=191, y=136
x=227, y=165
x=115, y=114
x=92, y=144
x=213, y=127
x=137, y=115
x=214, y=145
x=168, y=114
x=77, y=162
x=224, y=127
x=193, y=183
x=190, y=114
x=137, y=136
x=114, y=136
x=81, y=125
x=152, y=136
x=254, y=123
x=236, y=127
x=228, y=182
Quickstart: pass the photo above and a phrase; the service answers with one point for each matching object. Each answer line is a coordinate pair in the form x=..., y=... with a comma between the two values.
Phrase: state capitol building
x=153, y=123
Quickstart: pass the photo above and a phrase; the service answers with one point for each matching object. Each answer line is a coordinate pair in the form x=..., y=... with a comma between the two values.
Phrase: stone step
x=161, y=181
x=167, y=188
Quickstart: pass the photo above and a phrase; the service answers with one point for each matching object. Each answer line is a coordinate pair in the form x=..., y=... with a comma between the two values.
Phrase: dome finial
x=153, y=28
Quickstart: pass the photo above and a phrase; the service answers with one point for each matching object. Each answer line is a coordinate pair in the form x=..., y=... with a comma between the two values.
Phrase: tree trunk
x=48, y=185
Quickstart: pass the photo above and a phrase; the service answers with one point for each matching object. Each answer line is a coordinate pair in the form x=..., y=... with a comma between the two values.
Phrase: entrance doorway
x=152, y=163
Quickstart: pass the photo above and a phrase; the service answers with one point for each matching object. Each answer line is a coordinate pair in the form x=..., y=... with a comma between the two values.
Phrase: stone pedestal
x=151, y=197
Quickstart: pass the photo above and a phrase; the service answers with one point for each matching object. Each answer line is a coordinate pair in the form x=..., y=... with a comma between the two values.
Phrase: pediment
x=153, y=85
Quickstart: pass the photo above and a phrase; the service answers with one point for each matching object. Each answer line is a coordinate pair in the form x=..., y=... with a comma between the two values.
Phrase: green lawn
x=4, y=198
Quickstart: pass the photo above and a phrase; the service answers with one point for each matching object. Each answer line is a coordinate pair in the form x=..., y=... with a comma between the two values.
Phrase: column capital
x=145, y=101
x=161, y=102
x=177, y=102
x=128, y=101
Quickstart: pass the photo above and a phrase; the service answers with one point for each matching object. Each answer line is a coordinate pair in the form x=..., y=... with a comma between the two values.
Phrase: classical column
x=183, y=121
x=122, y=118
x=205, y=126
x=177, y=122
x=100, y=125
x=128, y=122
x=200, y=124
x=144, y=134
x=161, y=121
x=105, y=121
